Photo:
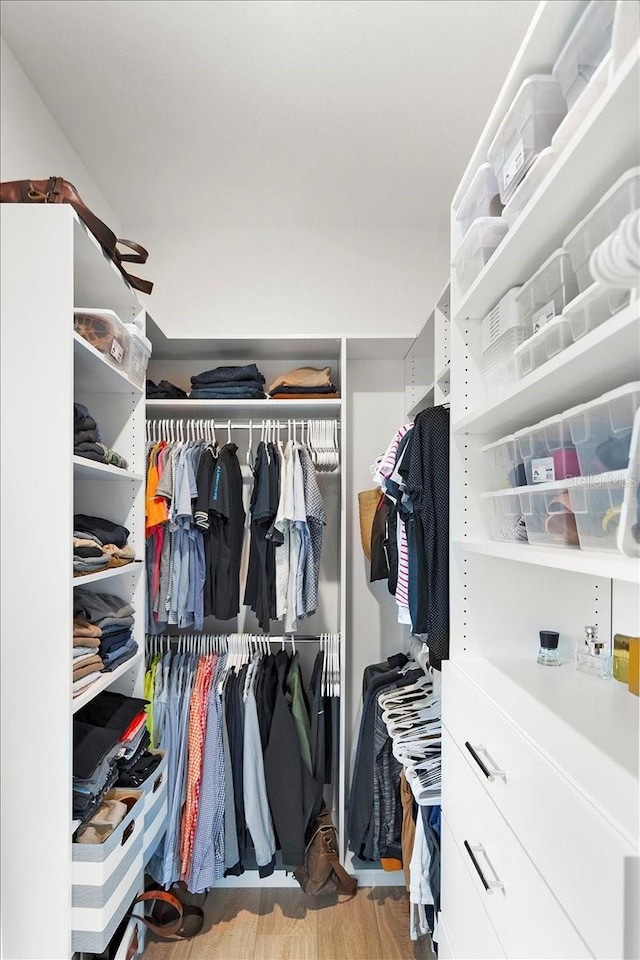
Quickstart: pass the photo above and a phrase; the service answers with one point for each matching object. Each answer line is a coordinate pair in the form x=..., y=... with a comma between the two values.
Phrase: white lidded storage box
x=601, y=429
x=508, y=467
x=528, y=186
x=138, y=355
x=106, y=877
x=482, y=198
x=585, y=49
x=593, y=307
x=548, y=515
x=105, y=331
x=504, y=516
x=620, y=200
x=476, y=249
x=502, y=332
x=597, y=504
x=550, y=289
x=526, y=130
x=551, y=339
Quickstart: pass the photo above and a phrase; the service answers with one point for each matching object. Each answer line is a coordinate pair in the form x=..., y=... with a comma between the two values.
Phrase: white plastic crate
x=476, y=249
x=601, y=429
x=482, y=199
x=593, y=307
x=138, y=355
x=504, y=516
x=528, y=186
x=530, y=123
x=550, y=289
x=597, y=504
x=621, y=199
x=585, y=49
x=550, y=340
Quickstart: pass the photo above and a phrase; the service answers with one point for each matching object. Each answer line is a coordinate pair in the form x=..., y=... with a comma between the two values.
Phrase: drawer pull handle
x=127, y=832
x=489, y=774
x=489, y=885
x=157, y=783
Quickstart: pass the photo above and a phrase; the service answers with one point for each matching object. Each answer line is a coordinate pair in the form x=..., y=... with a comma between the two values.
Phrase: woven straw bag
x=368, y=501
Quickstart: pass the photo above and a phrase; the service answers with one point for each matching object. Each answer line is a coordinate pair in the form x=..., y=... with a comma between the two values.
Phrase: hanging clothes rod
x=243, y=424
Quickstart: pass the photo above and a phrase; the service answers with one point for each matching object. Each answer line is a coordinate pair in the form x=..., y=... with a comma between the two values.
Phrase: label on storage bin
x=542, y=316
x=513, y=165
x=116, y=351
x=543, y=469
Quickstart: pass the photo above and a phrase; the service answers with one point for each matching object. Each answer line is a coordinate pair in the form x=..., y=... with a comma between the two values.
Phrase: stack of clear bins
x=585, y=49
x=503, y=330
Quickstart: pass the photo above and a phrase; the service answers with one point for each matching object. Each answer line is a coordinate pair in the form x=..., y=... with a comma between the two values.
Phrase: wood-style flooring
x=283, y=924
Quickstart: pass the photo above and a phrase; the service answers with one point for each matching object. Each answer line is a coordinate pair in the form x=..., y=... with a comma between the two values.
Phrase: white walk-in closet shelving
x=540, y=766
x=51, y=264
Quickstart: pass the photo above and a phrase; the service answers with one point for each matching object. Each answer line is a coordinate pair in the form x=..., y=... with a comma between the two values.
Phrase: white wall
x=254, y=281
x=32, y=145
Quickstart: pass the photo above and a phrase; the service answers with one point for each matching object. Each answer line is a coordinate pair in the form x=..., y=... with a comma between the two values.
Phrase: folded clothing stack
x=165, y=390
x=98, y=544
x=110, y=620
x=86, y=440
x=304, y=383
x=87, y=662
x=228, y=383
x=106, y=731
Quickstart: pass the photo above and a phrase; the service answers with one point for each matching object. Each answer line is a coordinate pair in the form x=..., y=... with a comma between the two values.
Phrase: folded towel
x=303, y=377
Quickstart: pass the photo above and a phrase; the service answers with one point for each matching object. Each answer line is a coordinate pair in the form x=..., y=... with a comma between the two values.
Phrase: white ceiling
x=271, y=112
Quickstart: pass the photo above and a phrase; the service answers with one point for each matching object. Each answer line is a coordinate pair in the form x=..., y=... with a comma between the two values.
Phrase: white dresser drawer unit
x=527, y=917
x=550, y=817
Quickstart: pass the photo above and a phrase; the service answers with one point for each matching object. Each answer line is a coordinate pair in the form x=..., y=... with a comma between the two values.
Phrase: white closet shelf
x=260, y=409
x=96, y=279
x=95, y=374
x=613, y=566
x=134, y=567
x=587, y=727
x=424, y=399
x=582, y=174
x=91, y=470
x=599, y=361
x=105, y=681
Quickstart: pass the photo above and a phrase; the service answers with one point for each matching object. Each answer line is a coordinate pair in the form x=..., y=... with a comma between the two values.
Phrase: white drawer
x=469, y=933
x=527, y=917
x=580, y=855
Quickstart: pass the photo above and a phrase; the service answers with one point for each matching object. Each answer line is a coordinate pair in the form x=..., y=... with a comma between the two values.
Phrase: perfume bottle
x=591, y=656
x=548, y=654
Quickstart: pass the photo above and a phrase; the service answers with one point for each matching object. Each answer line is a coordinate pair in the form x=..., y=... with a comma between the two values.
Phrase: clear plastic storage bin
x=601, y=429
x=138, y=355
x=482, y=199
x=104, y=330
x=502, y=332
x=548, y=515
x=629, y=530
x=583, y=106
x=527, y=129
x=507, y=465
x=528, y=186
x=593, y=307
x=476, y=249
x=562, y=461
x=550, y=289
x=597, y=505
x=621, y=199
x=551, y=339
x=585, y=49
x=504, y=516
x=532, y=444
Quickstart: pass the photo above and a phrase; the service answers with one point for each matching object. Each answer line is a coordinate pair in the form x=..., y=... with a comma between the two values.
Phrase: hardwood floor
x=273, y=924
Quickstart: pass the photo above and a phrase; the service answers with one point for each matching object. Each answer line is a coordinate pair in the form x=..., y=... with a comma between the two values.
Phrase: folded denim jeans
x=243, y=393
x=228, y=374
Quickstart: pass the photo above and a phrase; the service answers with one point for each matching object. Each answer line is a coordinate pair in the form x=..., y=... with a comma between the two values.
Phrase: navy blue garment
x=228, y=375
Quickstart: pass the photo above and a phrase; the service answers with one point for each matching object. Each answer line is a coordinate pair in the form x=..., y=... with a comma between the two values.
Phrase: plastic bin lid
x=623, y=391
x=498, y=443
x=484, y=171
x=536, y=78
x=507, y=492
x=556, y=255
x=633, y=173
x=473, y=237
x=540, y=335
x=578, y=303
x=526, y=431
x=527, y=187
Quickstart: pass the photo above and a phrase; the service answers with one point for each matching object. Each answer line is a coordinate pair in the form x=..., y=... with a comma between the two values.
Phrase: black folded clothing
x=140, y=771
x=85, y=805
x=165, y=390
x=91, y=744
x=327, y=388
x=144, y=741
x=105, y=530
x=248, y=373
x=111, y=710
